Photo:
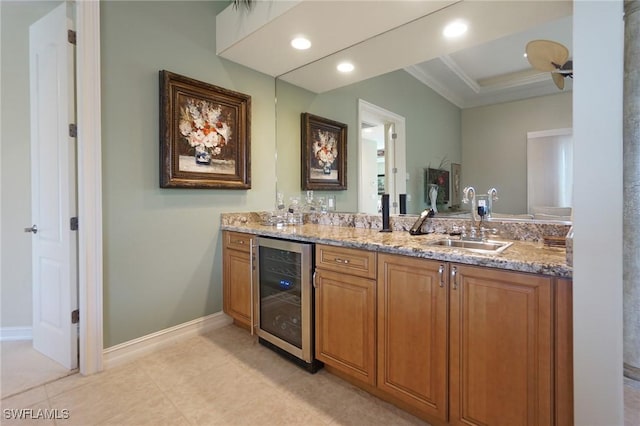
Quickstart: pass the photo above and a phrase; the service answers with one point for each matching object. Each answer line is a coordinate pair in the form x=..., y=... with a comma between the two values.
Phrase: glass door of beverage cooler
x=284, y=296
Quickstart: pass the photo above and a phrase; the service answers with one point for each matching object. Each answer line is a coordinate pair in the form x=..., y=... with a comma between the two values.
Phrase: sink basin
x=477, y=246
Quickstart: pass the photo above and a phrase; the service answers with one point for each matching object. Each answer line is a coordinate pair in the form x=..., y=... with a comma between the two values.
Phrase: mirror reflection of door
x=381, y=159
x=550, y=174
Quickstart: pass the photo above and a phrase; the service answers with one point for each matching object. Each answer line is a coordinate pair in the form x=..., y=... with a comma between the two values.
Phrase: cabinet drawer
x=346, y=260
x=237, y=240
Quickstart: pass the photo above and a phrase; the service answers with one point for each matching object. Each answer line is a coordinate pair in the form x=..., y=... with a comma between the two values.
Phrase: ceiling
x=496, y=71
x=484, y=66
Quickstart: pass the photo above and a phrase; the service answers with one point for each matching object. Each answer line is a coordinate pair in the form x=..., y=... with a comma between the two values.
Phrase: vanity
x=452, y=335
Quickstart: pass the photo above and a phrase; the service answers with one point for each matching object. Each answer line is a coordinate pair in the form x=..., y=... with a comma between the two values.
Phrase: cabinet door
x=501, y=348
x=412, y=332
x=345, y=323
x=237, y=286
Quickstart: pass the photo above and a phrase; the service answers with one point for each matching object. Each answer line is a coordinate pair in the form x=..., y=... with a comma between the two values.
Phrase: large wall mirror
x=469, y=102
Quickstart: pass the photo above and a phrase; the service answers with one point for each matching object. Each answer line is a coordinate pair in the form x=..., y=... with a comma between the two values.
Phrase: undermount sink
x=477, y=246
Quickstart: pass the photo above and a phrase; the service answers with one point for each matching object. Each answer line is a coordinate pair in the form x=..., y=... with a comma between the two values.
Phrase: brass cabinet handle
x=454, y=276
x=237, y=241
x=338, y=260
x=441, y=275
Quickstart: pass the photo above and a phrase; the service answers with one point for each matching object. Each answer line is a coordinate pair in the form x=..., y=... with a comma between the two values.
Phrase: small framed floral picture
x=204, y=135
x=324, y=153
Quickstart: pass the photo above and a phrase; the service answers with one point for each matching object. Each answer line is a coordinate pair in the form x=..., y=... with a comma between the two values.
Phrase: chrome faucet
x=479, y=210
x=493, y=196
x=469, y=196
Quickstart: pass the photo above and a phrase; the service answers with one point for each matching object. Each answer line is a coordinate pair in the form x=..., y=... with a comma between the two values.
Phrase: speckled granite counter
x=523, y=255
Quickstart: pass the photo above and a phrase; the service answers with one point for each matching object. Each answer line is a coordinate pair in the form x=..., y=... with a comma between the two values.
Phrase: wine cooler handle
x=314, y=280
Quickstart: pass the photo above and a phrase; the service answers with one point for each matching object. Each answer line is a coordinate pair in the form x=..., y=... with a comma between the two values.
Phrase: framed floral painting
x=324, y=153
x=204, y=135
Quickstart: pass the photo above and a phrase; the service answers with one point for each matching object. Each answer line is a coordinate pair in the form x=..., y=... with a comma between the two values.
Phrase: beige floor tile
x=71, y=382
x=269, y=408
x=222, y=378
x=25, y=399
x=23, y=367
x=208, y=398
x=156, y=411
x=115, y=392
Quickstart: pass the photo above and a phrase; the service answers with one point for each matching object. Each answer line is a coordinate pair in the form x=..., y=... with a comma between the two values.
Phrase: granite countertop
x=524, y=256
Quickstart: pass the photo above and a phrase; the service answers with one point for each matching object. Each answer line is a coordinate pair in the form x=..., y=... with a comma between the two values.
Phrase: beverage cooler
x=283, y=297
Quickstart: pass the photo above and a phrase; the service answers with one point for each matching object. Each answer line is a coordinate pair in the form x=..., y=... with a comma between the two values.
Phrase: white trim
x=422, y=76
x=136, y=348
x=89, y=186
x=547, y=133
x=15, y=333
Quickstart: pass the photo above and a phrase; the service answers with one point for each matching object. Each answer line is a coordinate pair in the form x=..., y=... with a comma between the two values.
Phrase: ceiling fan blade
x=558, y=79
x=546, y=55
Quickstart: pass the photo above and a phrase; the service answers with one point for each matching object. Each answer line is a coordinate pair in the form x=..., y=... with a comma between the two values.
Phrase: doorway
x=381, y=158
x=16, y=253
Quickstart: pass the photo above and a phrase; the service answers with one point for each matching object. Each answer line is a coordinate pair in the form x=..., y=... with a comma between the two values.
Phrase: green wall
x=432, y=129
x=494, y=144
x=162, y=247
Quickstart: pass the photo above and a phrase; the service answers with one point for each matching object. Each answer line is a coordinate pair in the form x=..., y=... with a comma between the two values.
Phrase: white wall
x=494, y=145
x=597, y=278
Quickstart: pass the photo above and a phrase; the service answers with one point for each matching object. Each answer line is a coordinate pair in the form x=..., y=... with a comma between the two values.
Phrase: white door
x=53, y=183
x=368, y=175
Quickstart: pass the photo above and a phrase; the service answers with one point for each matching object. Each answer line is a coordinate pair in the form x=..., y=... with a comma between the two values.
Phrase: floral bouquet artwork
x=204, y=128
x=325, y=149
x=204, y=135
x=324, y=153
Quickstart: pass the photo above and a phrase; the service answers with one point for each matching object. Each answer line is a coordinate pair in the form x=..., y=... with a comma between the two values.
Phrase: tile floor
x=223, y=378
x=23, y=367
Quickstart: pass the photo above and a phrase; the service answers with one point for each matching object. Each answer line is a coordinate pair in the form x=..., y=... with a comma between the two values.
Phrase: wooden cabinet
x=501, y=347
x=412, y=332
x=345, y=311
x=236, y=277
x=564, y=353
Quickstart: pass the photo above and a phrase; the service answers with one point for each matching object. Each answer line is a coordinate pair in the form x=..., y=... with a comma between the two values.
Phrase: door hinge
x=75, y=316
x=73, y=223
x=394, y=170
x=71, y=36
x=394, y=136
x=73, y=130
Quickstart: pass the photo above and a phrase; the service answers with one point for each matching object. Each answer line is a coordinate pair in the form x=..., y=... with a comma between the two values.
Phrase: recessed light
x=300, y=43
x=345, y=67
x=455, y=29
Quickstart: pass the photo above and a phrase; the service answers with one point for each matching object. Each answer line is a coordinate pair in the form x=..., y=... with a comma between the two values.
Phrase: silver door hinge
x=73, y=223
x=394, y=136
x=75, y=316
x=73, y=130
x=394, y=170
x=71, y=36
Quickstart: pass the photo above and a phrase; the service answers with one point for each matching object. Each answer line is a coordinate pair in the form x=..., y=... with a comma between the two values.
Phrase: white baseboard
x=136, y=348
x=15, y=333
